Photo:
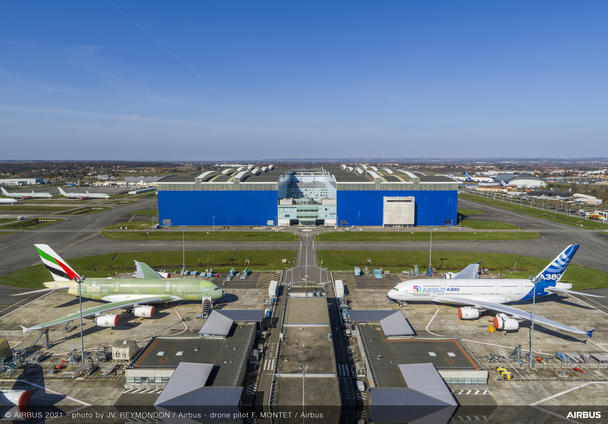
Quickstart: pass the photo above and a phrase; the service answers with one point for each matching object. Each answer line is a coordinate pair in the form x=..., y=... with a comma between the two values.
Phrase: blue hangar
x=330, y=195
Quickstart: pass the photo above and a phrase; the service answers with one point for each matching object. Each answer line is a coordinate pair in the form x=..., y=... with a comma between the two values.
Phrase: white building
x=527, y=181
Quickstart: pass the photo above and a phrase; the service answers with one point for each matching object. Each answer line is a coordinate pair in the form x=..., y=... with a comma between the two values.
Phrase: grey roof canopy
x=370, y=315
x=249, y=315
x=188, y=376
x=216, y=325
x=396, y=325
x=425, y=379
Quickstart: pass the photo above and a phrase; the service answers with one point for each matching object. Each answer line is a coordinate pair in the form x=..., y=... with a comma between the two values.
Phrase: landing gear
x=206, y=304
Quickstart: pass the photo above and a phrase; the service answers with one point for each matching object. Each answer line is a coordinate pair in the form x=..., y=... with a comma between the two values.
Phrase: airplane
x=469, y=179
x=8, y=200
x=84, y=196
x=481, y=295
x=134, y=294
x=22, y=195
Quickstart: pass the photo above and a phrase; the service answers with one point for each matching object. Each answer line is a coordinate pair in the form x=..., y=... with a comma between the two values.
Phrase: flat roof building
x=345, y=195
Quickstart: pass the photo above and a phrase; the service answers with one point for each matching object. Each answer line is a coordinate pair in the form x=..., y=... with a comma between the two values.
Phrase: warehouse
x=330, y=195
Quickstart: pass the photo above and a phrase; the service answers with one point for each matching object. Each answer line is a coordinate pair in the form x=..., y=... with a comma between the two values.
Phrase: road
x=79, y=236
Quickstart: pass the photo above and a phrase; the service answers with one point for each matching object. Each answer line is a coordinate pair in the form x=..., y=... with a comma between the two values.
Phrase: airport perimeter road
x=594, y=244
x=70, y=236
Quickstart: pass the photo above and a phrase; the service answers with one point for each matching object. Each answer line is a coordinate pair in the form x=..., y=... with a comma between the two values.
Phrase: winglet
x=590, y=333
x=25, y=329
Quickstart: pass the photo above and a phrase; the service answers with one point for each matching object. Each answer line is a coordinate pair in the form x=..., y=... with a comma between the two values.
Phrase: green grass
x=551, y=216
x=146, y=212
x=424, y=236
x=110, y=264
x=3, y=220
x=131, y=225
x=30, y=224
x=478, y=224
x=505, y=265
x=86, y=209
x=467, y=212
x=32, y=208
x=198, y=235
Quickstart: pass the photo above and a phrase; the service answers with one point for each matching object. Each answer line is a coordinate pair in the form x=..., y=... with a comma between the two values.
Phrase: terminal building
x=333, y=195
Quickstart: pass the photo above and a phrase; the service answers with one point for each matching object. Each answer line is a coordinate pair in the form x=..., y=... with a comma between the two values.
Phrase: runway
x=79, y=236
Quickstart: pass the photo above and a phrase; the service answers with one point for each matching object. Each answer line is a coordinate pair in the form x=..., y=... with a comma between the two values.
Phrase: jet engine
x=144, y=311
x=503, y=322
x=107, y=320
x=466, y=312
x=21, y=398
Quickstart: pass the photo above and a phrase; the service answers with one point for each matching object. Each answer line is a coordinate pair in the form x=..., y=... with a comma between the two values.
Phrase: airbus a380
x=135, y=294
x=83, y=196
x=480, y=295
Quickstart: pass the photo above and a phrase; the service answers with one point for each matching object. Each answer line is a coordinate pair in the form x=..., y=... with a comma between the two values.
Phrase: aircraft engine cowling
x=144, y=311
x=468, y=313
x=503, y=322
x=107, y=320
x=21, y=398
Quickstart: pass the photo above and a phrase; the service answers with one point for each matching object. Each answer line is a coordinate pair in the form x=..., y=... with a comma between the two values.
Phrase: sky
x=256, y=80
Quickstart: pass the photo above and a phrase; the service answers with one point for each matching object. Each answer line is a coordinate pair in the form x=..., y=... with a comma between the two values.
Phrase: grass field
x=110, y=264
x=479, y=224
x=30, y=224
x=32, y=208
x=424, y=236
x=86, y=209
x=131, y=225
x=196, y=235
x=467, y=212
x=551, y=216
x=504, y=265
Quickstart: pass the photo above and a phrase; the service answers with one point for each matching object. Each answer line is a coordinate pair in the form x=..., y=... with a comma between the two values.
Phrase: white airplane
x=490, y=294
x=23, y=195
x=8, y=200
x=84, y=196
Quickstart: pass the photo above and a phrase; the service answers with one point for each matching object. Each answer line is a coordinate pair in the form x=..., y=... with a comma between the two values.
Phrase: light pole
x=532, y=324
x=79, y=280
x=303, y=368
x=430, y=252
x=183, y=253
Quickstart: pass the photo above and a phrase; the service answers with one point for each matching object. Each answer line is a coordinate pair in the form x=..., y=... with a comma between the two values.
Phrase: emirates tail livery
x=480, y=295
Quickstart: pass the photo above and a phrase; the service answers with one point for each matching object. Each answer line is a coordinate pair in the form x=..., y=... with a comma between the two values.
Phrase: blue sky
x=213, y=80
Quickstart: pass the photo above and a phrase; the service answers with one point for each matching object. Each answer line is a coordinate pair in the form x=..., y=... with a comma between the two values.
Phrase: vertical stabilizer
x=555, y=270
x=59, y=269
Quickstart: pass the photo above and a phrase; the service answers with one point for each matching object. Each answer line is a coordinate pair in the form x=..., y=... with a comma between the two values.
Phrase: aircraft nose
x=392, y=293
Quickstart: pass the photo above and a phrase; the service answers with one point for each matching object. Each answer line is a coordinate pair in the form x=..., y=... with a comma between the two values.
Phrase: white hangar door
x=398, y=211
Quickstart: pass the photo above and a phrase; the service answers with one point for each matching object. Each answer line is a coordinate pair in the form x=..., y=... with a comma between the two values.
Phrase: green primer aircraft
x=136, y=294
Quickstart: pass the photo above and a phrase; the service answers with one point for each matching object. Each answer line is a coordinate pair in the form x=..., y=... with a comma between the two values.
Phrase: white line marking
x=567, y=391
x=430, y=321
x=24, y=305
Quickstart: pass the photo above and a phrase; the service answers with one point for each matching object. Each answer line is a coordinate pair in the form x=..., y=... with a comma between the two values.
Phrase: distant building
x=358, y=195
x=20, y=181
x=527, y=181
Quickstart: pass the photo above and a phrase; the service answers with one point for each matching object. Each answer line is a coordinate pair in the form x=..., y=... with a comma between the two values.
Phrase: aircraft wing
x=566, y=291
x=96, y=310
x=517, y=314
x=144, y=270
x=470, y=272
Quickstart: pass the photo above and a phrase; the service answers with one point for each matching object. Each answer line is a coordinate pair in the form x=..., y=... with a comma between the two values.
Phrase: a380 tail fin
x=61, y=191
x=555, y=270
x=59, y=269
x=4, y=191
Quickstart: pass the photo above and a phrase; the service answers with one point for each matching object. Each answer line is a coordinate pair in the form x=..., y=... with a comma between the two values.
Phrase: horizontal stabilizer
x=566, y=291
x=40, y=291
x=25, y=329
x=590, y=333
